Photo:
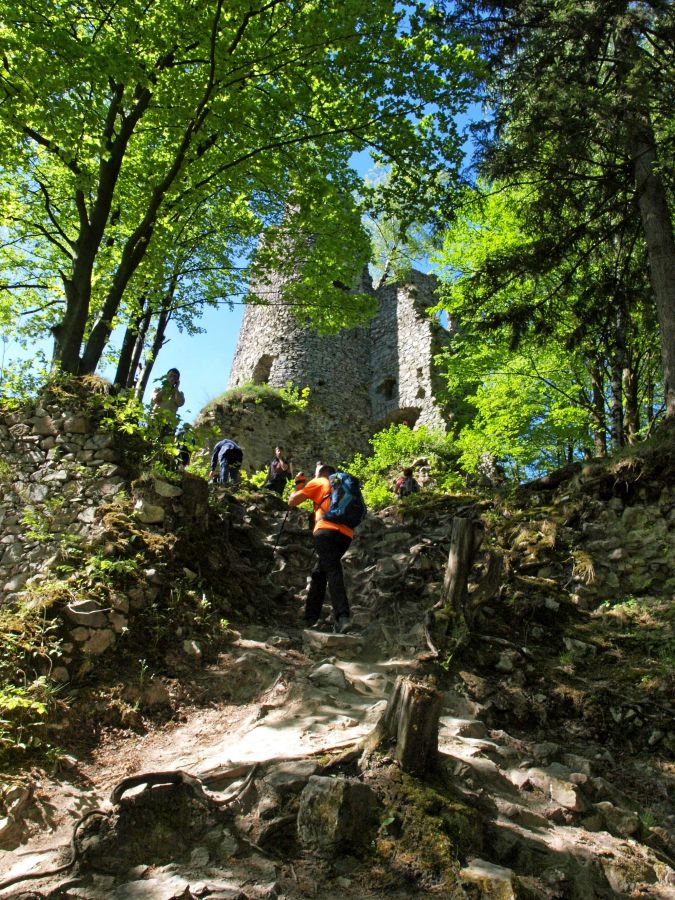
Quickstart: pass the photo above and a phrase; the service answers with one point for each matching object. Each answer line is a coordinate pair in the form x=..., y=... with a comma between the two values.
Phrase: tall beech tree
x=119, y=120
x=581, y=95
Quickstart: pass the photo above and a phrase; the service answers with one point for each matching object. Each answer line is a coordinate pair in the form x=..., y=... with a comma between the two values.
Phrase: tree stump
x=410, y=722
x=460, y=559
x=447, y=626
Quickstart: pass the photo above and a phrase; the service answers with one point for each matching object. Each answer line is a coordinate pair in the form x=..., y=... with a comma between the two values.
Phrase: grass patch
x=642, y=628
x=284, y=400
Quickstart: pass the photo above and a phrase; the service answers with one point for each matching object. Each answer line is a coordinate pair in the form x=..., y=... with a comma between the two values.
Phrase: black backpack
x=346, y=501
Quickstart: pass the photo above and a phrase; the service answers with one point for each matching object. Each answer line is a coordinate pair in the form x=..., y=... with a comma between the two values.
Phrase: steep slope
x=554, y=775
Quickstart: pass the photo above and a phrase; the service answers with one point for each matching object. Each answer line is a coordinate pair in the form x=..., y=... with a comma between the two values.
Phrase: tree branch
x=52, y=147
x=50, y=214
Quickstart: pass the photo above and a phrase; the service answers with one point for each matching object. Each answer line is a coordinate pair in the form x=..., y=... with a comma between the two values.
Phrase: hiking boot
x=342, y=625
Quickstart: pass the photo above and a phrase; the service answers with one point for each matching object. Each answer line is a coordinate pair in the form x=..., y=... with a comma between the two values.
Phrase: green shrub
x=21, y=381
x=258, y=479
x=396, y=448
x=29, y=646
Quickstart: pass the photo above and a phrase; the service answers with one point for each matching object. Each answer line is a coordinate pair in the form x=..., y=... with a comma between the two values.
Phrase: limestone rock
x=557, y=789
x=336, y=814
x=75, y=425
x=99, y=642
x=508, y=660
x=623, y=875
x=290, y=777
x=80, y=634
x=621, y=822
x=16, y=583
x=329, y=675
x=118, y=622
x=87, y=515
x=9, y=832
x=329, y=643
x=86, y=612
x=166, y=489
x=493, y=881
x=60, y=674
x=199, y=858
x=148, y=513
x=468, y=728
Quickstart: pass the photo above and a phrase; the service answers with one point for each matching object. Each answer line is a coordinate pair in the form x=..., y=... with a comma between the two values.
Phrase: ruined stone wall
x=55, y=472
x=403, y=340
x=59, y=472
x=305, y=436
x=274, y=349
x=360, y=379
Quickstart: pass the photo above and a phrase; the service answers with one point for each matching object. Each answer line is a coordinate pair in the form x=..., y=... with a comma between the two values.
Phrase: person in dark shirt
x=280, y=472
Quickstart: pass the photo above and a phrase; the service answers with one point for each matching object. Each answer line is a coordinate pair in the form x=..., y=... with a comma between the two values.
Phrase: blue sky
x=205, y=359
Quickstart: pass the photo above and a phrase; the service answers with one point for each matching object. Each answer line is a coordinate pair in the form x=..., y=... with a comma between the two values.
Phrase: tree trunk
x=69, y=334
x=630, y=393
x=449, y=622
x=486, y=588
x=123, y=374
x=649, y=399
x=599, y=421
x=551, y=480
x=410, y=723
x=658, y=229
x=70, y=330
x=616, y=407
x=158, y=341
x=139, y=346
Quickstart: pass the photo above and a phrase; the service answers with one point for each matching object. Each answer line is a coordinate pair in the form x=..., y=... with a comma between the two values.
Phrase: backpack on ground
x=408, y=486
x=346, y=501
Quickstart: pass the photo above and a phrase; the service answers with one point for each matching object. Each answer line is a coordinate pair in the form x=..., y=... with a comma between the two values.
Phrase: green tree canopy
x=581, y=112
x=536, y=348
x=124, y=126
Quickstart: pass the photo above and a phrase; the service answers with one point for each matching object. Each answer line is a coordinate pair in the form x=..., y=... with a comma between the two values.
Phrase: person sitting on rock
x=406, y=484
x=331, y=542
x=226, y=461
x=280, y=472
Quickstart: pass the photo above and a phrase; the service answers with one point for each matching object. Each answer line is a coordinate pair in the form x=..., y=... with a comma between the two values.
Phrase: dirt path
x=553, y=823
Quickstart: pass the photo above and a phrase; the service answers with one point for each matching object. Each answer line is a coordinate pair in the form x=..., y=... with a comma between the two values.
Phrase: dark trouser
x=230, y=464
x=330, y=547
x=276, y=484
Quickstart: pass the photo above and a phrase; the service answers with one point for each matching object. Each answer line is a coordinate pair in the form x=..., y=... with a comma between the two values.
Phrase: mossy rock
x=426, y=829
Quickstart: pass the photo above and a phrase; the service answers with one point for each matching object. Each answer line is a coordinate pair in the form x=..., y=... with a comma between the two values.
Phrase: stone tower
x=361, y=379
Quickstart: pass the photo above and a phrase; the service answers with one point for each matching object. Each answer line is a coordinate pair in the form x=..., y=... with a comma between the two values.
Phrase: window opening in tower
x=263, y=368
x=387, y=388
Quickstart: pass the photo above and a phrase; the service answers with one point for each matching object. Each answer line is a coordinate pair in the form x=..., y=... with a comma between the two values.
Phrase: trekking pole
x=276, y=543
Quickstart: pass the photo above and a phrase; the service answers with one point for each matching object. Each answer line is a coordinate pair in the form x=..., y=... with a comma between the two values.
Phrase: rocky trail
x=554, y=776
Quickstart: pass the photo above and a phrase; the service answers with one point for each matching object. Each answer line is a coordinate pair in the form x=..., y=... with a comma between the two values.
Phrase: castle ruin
x=360, y=380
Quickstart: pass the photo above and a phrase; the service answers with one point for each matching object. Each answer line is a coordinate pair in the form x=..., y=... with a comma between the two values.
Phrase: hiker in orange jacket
x=331, y=542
